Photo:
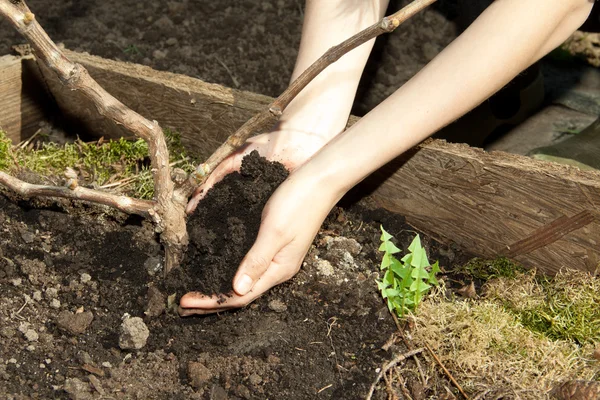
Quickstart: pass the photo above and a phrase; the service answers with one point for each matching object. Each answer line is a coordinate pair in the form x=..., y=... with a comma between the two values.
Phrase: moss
x=122, y=165
x=483, y=269
x=5, y=152
x=564, y=307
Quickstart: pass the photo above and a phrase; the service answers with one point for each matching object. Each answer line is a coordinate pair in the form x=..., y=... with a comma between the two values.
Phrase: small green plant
x=132, y=50
x=407, y=280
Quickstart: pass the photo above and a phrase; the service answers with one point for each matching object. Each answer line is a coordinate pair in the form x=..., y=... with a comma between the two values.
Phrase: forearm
x=324, y=105
x=507, y=38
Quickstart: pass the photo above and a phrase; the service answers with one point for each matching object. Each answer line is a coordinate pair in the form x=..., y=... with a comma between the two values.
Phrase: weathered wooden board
x=489, y=202
x=23, y=102
x=204, y=114
x=544, y=215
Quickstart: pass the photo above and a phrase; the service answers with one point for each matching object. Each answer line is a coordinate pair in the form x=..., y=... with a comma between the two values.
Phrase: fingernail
x=243, y=285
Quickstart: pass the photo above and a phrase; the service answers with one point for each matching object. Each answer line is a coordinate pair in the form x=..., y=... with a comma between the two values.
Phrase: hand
x=290, y=221
x=289, y=147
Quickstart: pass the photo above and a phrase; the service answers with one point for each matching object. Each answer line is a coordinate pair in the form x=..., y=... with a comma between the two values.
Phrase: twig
x=123, y=203
x=389, y=365
x=410, y=346
x=259, y=121
x=403, y=388
x=448, y=374
x=388, y=386
x=330, y=326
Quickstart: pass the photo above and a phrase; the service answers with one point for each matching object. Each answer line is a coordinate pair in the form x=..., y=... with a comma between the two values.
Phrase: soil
x=69, y=274
x=225, y=227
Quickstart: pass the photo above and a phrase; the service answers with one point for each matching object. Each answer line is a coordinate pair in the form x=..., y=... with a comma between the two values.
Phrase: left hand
x=290, y=221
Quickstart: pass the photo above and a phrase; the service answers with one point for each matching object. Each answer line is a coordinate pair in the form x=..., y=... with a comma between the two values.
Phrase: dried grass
x=487, y=347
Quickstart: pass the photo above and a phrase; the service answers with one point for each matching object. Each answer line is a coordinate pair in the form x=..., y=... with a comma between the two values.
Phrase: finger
x=199, y=304
x=226, y=167
x=258, y=259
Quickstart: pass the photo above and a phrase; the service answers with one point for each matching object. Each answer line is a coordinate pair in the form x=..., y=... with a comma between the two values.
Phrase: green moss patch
x=118, y=165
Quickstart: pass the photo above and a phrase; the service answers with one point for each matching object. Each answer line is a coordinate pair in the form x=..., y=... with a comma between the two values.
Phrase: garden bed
x=70, y=272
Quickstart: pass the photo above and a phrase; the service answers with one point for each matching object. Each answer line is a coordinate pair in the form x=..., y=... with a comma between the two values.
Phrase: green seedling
x=406, y=281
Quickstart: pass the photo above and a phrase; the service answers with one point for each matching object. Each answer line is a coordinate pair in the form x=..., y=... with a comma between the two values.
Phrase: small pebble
x=30, y=348
x=134, y=334
x=325, y=268
x=198, y=374
x=106, y=364
x=85, y=278
x=12, y=361
x=277, y=306
x=55, y=303
x=31, y=335
x=16, y=282
x=37, y=295
x=51, y=293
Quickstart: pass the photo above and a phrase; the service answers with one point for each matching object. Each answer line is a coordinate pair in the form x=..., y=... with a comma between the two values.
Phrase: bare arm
x=508, y=37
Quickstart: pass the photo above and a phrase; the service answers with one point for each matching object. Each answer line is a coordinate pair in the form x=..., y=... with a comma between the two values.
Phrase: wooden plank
x=24, y=102
x=204, y=114
x=486, y=202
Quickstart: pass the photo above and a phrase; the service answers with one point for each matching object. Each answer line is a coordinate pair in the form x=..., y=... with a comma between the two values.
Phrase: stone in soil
x=75, y=323
x=134, y=334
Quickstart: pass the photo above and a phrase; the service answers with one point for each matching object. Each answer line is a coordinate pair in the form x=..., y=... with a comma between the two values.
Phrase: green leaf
x=384, y=235
x=419, y=258
x=419, y=286
x=389, y=293
x=381, y=285
x=419, y=273
x=416, y=244
x=386, y=261
x=389, y=248
x=435, y=269
x=388, y=278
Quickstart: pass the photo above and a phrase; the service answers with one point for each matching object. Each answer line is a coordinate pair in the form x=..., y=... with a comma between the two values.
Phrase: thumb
x=257, y=260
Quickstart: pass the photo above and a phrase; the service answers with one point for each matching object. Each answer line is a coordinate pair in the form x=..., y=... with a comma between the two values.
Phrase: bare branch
x=76, y=77
x=126, y=204
x=259, y=121
x=168, y=212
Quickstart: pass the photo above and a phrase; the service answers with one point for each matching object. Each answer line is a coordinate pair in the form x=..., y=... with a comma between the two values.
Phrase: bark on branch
x=126, y=204
x=259, y=121
x=169, y=210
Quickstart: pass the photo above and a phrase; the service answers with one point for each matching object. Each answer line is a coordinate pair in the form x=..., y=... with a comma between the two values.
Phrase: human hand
x=290, y=221
x=289, y=147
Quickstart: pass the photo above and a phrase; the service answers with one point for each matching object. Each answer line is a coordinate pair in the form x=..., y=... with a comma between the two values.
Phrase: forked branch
x=168, y=212
x=259, y=121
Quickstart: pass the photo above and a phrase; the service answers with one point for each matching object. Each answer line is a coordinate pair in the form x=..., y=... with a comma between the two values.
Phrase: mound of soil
x=70, y=272
x=225, y=225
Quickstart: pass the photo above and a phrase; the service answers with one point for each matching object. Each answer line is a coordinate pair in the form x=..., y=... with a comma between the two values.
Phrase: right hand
x=290, y=147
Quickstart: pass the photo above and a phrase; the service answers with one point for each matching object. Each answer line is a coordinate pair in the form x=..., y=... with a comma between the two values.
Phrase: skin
x=508, y=37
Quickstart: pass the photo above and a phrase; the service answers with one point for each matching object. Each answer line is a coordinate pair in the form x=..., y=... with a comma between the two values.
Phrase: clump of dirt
x=225, y=225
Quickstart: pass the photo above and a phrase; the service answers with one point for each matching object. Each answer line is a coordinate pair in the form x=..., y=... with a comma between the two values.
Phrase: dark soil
x=64, y=263
x=224, y=228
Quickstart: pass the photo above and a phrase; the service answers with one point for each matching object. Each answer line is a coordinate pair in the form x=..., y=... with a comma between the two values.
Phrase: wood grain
x=23, y=102
x=204, y=114
x=486, y=202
